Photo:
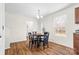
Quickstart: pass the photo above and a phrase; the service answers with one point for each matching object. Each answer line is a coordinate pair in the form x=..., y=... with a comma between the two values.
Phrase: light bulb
x=41, y=16
x=37, y=16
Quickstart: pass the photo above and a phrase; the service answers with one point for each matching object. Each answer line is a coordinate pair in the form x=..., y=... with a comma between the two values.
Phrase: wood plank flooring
x=21, y=48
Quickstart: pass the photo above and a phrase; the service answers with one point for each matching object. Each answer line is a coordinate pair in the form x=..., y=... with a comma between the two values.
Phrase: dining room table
x=39, y=37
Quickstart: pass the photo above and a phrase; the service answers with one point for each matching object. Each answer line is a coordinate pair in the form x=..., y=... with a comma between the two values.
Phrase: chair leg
x=43, y=46
x=35, y=44
x=47, y=45
x=29, y=44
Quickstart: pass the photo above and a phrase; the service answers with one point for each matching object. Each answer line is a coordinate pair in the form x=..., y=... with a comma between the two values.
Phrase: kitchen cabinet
x=76, y=42
x=77, y=15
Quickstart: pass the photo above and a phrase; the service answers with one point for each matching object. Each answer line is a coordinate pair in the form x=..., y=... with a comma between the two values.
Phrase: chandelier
x=38, y=15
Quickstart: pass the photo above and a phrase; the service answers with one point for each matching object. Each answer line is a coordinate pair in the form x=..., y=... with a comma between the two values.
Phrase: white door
x=1, y=30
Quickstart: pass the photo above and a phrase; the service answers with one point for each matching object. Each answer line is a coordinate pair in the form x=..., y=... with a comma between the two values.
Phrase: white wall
x=16, y=27
x=48, y=23
x=2, y=42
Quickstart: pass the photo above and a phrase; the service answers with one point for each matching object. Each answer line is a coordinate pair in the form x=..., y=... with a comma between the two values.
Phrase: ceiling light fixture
x=38, y=15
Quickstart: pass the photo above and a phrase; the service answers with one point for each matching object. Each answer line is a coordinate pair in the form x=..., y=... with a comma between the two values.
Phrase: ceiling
x=31, y=9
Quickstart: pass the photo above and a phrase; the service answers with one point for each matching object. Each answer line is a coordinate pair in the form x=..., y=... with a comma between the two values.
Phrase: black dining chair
x=44, y=39
x=30, y=39
x=33, y=40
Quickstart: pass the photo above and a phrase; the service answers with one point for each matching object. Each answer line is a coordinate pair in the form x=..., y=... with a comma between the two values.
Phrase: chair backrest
x=34, y=33
x=29, y=35
x=34, y=37
x=46, y=34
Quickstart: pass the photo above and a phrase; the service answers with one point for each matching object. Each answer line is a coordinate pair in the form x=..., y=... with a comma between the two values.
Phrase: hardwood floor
x=21, y=48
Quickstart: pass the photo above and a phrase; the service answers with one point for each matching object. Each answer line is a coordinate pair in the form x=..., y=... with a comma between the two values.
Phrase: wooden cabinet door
x=76, y=43
x=77, y=15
